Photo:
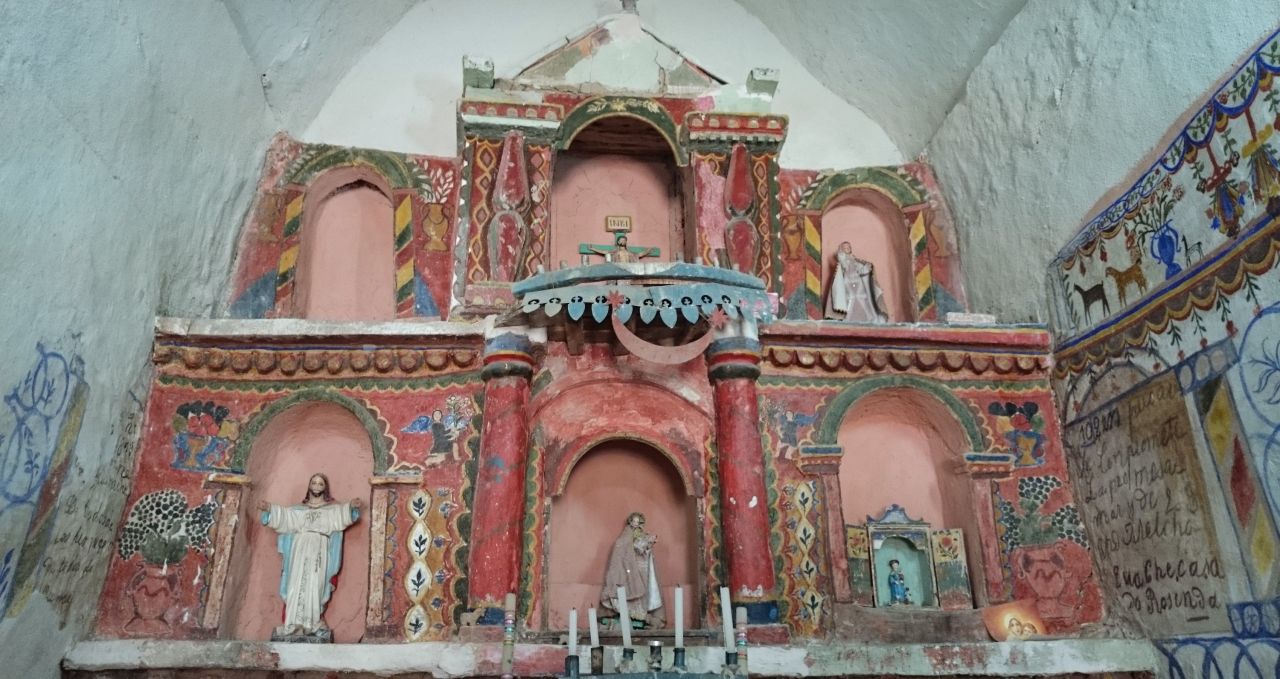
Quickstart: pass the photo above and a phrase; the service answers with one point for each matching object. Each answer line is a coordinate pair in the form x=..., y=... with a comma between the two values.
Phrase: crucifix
x=620, y=251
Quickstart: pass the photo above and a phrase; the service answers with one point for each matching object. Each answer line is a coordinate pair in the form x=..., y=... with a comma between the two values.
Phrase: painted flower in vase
x=1022, y=426
x=856, y=543
x=161, y=527
x=203, y=436
x=947, y=547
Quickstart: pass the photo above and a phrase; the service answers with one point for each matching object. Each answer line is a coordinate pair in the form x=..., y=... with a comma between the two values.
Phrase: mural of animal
x=469, y=618
x=1132, y=275
x=1123, y=277
x=1088, y=296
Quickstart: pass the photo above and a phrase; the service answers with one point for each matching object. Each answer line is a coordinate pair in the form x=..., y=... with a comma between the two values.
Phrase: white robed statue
x=310, y=542
x=854, y=294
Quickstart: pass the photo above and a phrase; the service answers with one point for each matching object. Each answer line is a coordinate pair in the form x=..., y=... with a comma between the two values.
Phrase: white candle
x=679, y=597
x=726, y=617
x=573, y=631
x=595, y=629
x=624, y=618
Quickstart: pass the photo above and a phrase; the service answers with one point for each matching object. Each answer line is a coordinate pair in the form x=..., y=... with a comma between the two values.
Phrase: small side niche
x=900, y=444
x=877, y=231
x=308, y=438
x=346, y=261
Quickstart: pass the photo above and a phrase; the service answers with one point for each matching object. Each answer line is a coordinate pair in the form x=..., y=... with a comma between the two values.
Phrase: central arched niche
x=616, y=166
x=346, y=261
x=903, y=446
x=310, y=437
x=877, y=230
x=611, y=480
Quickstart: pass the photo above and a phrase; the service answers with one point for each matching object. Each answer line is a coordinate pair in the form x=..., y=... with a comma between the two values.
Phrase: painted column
x=498, y=507
x=734, y=364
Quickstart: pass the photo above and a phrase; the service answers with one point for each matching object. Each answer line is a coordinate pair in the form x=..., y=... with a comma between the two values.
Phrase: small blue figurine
x=899, y=594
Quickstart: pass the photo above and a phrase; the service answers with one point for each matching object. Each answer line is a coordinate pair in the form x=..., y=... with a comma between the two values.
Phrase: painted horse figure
x=1093, y=294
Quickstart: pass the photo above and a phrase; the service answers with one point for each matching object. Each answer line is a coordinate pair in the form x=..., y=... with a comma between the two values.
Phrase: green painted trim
x=377, y=435
x=902, y=189
x=394, y=167
x=640, y=108
x=825, y=432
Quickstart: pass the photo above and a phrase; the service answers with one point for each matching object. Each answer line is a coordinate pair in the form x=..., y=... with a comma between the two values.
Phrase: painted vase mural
x=161, y=528
x=1022, y=426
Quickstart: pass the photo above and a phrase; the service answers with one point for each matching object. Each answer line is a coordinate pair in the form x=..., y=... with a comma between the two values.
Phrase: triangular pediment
x=618, y=55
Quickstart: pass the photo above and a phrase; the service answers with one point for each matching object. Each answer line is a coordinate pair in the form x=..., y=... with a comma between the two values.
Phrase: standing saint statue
x=631, y=566
x=899, y=593
x=310, y=541
x=854, y=295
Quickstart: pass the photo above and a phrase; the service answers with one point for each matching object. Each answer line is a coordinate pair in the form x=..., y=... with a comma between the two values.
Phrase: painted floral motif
x=203, y=436
x=946, y=546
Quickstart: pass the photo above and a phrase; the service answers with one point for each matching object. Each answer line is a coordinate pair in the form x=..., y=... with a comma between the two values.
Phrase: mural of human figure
x=789, y=423
x=442, y=435
x=631, y=566
x=310, y=542
x=899, y=593
x=854, y=294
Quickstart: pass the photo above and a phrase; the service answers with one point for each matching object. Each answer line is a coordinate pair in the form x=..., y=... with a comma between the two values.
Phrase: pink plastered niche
x=589, y=187
x=309, y=438
x=878, y=233
x=609, y=482
x=346, y=262
x=902, y=446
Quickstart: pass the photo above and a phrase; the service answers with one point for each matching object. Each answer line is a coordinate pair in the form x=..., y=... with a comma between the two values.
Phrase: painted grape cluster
x=1029, y=526
x=161, y=526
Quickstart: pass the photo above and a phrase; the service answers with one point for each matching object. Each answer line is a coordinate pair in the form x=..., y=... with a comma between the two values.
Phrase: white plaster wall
x=402, y=94
x=132, y=134
x=1071, y=100
x=300, y=49
x=904, y=62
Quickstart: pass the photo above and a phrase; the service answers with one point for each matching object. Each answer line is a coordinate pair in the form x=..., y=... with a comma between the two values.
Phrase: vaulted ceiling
x=903, y=62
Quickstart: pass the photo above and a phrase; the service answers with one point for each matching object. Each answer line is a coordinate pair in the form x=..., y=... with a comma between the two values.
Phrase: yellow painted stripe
x=811, y=281
x=917, y=228
x=811, y=237
x=288, y=258
x=404, y=274
x=924, y=280
x=293, y=209
x=403, y=213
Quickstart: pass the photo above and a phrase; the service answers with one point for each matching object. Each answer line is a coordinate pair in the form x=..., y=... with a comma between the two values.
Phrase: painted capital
x=507, y=355
x=734, y=357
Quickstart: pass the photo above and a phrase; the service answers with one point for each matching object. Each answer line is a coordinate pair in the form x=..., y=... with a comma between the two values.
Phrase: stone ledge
x=444, y=659
x=227, y=328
